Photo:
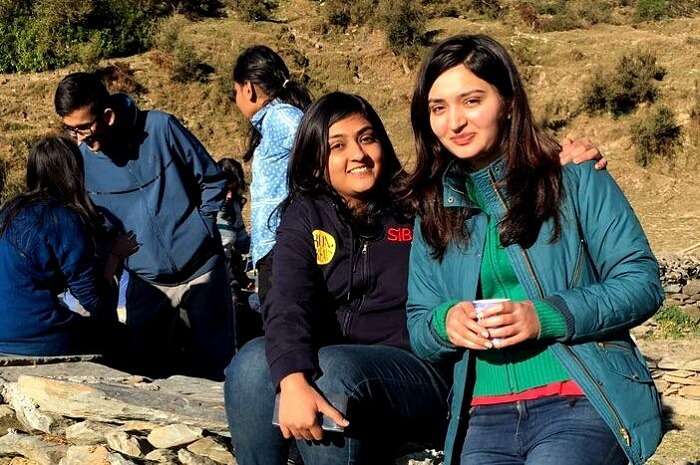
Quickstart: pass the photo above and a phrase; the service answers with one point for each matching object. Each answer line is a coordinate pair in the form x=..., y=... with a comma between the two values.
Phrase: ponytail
x=261, y=66
x=295, y=94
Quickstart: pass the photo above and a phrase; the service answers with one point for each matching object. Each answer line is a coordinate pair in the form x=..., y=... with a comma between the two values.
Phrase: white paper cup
x=481, y=305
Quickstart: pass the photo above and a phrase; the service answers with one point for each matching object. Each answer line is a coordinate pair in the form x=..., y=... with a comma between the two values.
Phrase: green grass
x=673, y=323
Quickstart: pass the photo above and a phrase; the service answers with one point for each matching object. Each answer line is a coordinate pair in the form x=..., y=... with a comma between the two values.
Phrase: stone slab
x=115, y=402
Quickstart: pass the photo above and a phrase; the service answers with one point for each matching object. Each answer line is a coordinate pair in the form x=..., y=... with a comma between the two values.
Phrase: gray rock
x=93, y=455
x=138, y=426
x=162, y=456
x=87, y=371
x=28, y=360
x=124, y=443
x=87, y=433
x=170, y=436
x=188, y=458
x=678, y=297
x=668, y=363
x=672, y=288
x=113, y=402
x=692, y=287
x=212, y=449
x=683, y=406
x=692, y=365
x=8, y=420
x=26, y=410
x=691, y=392
x=31, y=447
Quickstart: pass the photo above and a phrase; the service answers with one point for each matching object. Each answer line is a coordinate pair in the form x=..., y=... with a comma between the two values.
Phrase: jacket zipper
x=621, y=429
x=579, y=264
x=347, y=320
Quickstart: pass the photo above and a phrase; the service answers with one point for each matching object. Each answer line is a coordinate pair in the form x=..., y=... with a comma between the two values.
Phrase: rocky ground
x=74, y=411
x=81, y=412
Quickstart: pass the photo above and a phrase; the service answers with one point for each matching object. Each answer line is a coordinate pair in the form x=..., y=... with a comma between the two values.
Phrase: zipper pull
x=364, y=249
x=626, y=436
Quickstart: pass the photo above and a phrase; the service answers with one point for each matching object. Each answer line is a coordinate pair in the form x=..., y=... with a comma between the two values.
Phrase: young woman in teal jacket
x=550, y=374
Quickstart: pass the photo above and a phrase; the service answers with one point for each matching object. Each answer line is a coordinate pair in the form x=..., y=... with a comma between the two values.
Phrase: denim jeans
x=548, y=431
x=394, y=398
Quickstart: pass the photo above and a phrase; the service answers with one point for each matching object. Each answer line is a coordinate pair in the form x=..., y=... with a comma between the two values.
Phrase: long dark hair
x=233, y=172
x=261, y=66
x=54, y=174
x=308, y=168
x=533, y=172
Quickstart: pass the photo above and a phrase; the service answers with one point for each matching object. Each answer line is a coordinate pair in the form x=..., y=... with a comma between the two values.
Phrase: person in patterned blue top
x=274, y=104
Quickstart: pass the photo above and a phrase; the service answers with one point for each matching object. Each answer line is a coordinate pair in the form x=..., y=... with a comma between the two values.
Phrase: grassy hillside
x=556, y=64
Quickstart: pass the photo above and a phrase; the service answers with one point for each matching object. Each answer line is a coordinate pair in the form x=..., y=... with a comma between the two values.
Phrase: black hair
x=79, y=90
x=233, y=171
x=533, y=171
x=308, y=167
x=261, y=66
x=54, y=173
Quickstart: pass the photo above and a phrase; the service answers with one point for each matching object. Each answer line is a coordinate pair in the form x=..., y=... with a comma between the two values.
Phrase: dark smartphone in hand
x=337, y=400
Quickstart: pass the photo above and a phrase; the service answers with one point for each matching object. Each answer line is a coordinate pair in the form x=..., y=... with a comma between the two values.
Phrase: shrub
x=89, y=53
x=119, y=77
x=489, y=8
x=559, y=22
x=255, y=10
x=197, y=8
x=694, y=120
x=656, y=135
x=528, y=15
x=167, y=33
x=46, y=34
x=629, y=84
x=343, y=13
x=404, y=24
x=650, y=10
x=594, y=12
x=188, y=65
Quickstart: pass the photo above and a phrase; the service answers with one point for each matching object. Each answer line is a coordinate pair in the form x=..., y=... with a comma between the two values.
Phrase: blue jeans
x=394, y=398
x=548, y=431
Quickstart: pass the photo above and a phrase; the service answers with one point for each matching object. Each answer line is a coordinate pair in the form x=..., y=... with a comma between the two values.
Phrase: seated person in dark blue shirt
x=48, y=238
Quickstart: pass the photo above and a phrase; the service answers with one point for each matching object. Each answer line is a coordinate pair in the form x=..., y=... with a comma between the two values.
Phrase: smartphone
x=337, y=400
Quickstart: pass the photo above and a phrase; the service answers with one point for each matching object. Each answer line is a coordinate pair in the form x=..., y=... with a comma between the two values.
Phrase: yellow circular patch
x=325, y=246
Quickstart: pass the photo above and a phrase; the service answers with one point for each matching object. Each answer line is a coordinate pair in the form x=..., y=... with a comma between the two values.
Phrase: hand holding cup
x=509, y=323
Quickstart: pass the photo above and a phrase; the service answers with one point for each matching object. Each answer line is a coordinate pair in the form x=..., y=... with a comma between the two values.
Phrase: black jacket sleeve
x=287, y=310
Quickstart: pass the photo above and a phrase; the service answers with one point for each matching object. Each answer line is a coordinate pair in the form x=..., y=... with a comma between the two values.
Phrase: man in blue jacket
x=148, y=174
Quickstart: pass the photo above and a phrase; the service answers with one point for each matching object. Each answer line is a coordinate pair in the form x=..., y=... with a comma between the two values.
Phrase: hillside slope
x=556, y=64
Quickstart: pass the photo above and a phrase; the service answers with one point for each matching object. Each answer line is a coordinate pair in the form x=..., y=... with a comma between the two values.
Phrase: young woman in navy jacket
x=335, y=319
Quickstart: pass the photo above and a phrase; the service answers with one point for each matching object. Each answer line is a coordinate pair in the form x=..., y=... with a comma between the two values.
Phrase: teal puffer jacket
x=601, y=275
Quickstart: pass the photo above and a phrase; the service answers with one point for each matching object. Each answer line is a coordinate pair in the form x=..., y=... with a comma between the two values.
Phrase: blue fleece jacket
x=44, y=251
x=157, y=180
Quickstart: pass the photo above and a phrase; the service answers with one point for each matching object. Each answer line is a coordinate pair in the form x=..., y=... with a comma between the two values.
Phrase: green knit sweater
x=526, y=365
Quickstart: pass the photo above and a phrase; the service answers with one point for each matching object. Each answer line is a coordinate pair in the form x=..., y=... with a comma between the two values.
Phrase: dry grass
x=555, y=64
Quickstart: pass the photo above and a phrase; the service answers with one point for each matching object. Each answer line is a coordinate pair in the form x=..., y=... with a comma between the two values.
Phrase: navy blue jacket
x=333, y=286
x=45, y=250
x=159, y=182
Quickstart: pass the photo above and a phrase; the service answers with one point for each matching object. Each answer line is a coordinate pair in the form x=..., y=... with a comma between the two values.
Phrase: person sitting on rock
x=335, y=317
x=48, y=241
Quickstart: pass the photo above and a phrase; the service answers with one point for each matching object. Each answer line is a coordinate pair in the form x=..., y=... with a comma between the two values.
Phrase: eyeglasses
x=84, y=130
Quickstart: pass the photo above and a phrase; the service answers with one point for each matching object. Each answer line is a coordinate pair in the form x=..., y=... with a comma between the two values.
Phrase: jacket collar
x=455, y=177
x=259, y=115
